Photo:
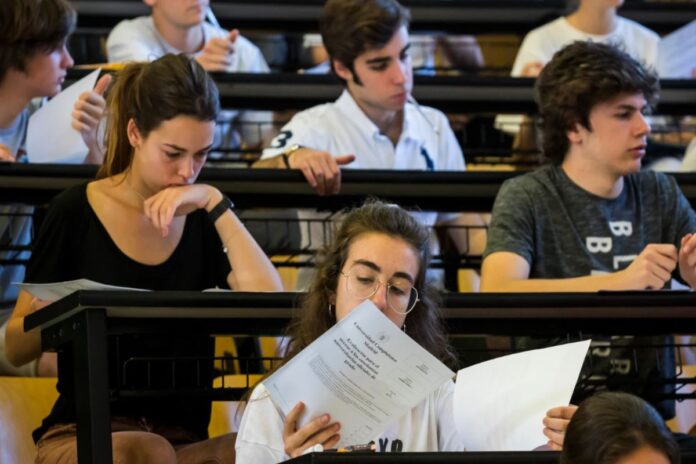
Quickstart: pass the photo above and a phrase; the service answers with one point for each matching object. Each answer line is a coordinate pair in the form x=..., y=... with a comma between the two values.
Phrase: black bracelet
x=219, y=209
x=286, y=160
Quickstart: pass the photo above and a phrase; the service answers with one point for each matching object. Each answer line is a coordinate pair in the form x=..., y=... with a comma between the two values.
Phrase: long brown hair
x=424, y=322
x=150, y=94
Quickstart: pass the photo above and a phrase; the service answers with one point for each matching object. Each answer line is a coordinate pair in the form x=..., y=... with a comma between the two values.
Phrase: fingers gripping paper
x=364, y=372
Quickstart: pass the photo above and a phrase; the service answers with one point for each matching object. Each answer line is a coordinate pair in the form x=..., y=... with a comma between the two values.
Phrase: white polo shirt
x=426, y=143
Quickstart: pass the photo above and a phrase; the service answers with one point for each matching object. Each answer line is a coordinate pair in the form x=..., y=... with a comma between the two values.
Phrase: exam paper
x=364, y=372
x=499, y=404
x=57, y=290
x=676, y=56
x=50, y=136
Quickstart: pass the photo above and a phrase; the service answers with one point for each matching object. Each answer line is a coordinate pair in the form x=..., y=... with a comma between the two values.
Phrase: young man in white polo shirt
x=375, y=124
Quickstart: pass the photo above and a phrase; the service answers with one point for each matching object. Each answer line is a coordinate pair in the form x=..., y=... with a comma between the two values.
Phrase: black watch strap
x=220, y=209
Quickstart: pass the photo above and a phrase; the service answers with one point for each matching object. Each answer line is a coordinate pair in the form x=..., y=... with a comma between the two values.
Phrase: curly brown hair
x=580, y=76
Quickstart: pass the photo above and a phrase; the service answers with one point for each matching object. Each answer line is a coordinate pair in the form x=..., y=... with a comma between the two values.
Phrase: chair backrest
x=226, y=415
x=24, y=402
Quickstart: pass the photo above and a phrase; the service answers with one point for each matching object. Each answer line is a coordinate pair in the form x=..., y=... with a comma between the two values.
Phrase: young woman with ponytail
x=145, y=223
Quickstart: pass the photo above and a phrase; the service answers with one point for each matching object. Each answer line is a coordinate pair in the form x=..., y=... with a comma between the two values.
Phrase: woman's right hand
x=319, y=431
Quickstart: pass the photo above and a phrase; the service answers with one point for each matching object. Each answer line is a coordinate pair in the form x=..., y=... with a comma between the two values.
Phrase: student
x=385, y=246
x=179, y=26
x=156, y=228
x=592, y=220
x=618, y=428
x=33, y=64
x=375, y=123
x=593, y=20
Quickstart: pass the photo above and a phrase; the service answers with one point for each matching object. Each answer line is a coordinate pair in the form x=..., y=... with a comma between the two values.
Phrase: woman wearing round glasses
x=380, y=252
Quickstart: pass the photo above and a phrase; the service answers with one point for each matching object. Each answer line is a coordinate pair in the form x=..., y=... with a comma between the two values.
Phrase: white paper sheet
x=50, y=136
x=57, y=290
x=676, y=56
x=364, y=372
x=499, y=404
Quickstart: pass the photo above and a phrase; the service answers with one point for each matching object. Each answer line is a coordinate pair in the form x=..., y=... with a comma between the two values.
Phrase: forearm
x=591, y=283
x=21, y=347
x=252, y=271
x=275, y=162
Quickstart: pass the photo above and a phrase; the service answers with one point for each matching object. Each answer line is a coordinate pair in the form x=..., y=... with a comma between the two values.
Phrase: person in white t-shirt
x=375, y=123
x=34, y=61
x=380, y=252
x=593, y=20
x=178, y=26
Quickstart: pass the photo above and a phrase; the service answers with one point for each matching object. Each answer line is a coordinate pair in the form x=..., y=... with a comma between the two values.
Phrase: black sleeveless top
x=74, y=244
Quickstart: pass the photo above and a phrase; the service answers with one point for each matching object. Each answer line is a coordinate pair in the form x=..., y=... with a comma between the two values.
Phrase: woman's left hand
x=178, y=201
x=556, y=423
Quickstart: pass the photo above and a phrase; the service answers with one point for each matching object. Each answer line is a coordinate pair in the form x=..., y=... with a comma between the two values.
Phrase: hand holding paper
x=87, y=113
x=364, y=372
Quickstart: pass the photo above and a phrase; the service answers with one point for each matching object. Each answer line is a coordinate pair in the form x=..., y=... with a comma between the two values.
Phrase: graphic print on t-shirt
x=620, y=231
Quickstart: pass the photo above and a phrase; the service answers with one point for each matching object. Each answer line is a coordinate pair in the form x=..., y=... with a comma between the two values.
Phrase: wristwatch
x=220, y=208
x=286, y=154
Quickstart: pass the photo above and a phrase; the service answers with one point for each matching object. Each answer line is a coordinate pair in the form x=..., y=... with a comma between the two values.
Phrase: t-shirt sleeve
x=529, y=52
x=56, y=246
x=260, y=437
x=299, y=131
x=512, y=223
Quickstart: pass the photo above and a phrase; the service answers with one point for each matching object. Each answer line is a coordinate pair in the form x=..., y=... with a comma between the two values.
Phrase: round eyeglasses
x=362, y=283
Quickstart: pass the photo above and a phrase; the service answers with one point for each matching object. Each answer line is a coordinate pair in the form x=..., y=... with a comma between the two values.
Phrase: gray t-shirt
x=563, y=231
x=15, y=222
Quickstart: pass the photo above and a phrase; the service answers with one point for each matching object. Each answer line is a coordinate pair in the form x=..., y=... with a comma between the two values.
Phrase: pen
x=367, y=447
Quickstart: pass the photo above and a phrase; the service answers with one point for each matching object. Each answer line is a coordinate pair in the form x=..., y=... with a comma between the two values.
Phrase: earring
x=330, y=310
x=404, y=327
